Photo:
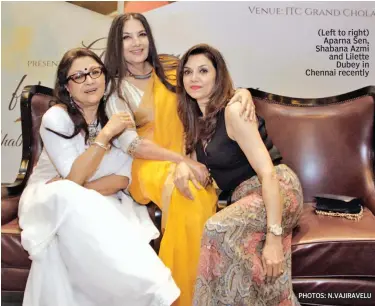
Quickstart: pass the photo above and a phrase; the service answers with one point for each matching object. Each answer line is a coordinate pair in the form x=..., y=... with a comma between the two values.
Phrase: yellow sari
x=183, y=220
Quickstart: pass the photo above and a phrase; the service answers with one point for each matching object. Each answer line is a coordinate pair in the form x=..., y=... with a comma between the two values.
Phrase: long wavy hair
x=196, y=127
x=61, y=94
x=114, y=56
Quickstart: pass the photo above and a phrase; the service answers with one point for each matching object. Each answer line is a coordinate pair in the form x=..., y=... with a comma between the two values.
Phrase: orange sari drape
x=183, y=219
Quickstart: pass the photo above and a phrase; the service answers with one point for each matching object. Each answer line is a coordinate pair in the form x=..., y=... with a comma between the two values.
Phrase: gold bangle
x=99, y=144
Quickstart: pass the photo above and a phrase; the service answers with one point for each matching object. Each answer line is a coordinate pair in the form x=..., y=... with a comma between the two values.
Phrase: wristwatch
x=275, y=229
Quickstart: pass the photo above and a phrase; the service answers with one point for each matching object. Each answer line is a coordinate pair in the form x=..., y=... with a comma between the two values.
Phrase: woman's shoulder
x=234, y=118
x=57, y=117
x=232, y=110
x=56, y=111
x=114, y=103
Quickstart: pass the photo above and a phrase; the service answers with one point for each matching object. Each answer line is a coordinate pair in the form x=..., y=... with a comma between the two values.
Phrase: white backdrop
x=270, y=51
x=267, y=45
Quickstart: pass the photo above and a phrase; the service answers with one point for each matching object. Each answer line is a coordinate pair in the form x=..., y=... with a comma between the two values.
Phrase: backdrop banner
x=299, y=49
x=34, y=37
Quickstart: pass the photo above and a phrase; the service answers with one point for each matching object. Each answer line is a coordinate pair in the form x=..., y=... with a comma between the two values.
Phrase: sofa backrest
x=328, y=142
x=35, y=101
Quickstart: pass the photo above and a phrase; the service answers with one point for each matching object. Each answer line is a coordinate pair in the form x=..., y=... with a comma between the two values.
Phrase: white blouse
x=59, y=154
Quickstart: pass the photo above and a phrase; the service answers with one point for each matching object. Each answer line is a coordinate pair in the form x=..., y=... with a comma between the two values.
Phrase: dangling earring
x=105, y=95
x=72, y=103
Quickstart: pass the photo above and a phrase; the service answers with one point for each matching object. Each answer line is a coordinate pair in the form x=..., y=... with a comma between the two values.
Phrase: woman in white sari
x=87, y=239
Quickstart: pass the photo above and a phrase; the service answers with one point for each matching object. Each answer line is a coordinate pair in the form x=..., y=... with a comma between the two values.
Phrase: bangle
x=133, y=146
x=99, y=144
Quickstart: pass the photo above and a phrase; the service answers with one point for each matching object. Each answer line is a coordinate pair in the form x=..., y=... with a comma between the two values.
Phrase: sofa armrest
x=11, y=194
x=13, y=189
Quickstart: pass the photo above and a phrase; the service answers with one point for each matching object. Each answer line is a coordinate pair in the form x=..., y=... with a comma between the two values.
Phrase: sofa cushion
x=324, y=246
x=15, y=262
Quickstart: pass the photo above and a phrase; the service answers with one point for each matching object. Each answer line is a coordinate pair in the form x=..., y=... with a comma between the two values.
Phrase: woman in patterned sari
x=143, y=84
x=246, y=247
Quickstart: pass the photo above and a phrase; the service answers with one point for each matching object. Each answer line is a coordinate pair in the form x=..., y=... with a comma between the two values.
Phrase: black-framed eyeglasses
x=80, y=77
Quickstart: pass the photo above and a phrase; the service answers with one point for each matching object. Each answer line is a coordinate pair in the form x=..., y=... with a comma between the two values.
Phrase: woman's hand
x=117, y=123
x=199, y=170
x=183, y=174
x=273, y=258
x=247, y=104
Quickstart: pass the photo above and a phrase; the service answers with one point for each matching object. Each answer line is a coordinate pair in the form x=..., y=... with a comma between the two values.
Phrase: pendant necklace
x=93, y=131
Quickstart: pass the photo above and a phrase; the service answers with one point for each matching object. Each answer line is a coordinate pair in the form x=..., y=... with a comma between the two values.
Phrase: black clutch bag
x=339, y=206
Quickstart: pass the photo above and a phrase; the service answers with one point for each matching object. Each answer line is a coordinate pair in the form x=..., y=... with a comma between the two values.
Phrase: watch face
x=276, y=229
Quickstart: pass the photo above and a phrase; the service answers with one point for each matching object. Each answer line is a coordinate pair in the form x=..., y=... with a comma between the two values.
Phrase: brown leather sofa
x=329, y=142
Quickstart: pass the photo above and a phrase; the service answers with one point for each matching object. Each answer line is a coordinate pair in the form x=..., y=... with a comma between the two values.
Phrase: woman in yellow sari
x=142, y=83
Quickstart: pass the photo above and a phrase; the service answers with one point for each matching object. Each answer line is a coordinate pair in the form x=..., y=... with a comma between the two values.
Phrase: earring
x=72, y=103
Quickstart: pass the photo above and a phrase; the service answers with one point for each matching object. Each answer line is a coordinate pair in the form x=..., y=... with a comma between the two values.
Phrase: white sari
x=87, y=249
